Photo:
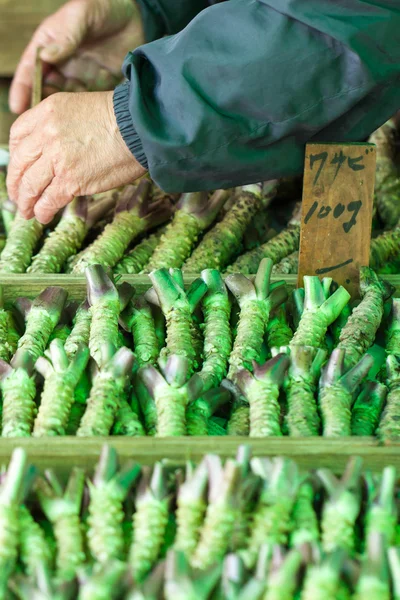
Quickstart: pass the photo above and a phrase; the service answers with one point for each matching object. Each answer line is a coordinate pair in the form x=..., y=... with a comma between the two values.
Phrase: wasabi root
x=138, y=319
x=136, y=259
x=200, y=411
x=19, y=392
x=21, y=242
x=389, y=425
x=191, y=508
x=367, y=409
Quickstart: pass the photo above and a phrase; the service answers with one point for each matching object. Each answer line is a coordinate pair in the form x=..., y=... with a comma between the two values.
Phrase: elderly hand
x=84, y=44
x=68, y=145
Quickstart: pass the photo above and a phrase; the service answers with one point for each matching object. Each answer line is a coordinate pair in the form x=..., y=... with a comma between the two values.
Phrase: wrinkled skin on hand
x=83, y=46
x=68, y=145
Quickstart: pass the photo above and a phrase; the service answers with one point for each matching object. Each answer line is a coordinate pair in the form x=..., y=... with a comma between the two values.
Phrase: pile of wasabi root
x=248, y=527
x=217, y=356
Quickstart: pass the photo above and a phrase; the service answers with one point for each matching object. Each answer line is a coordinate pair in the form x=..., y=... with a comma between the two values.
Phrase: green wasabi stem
x=359, y=332
x=323, y=580
x=342, y=507
x=200, y=411
x=12, y=490
x=255, y=587
x=219, y=246
x=136, y=259
x=138, y=319
x=43, y=316
x=239, y=420
x=149, y=521
x=13, y=333
x=104, y=583
x=374, y=582
x=19, y=391
x=41, y=586
x=64, y=241
x=62, y=508
x=61, y=378
x=216, y=309
x=105, y=307
x=272, y=521
x=302, y=419
x=394, y=565
x=21, y=243
x=288, y=265
x=381, y=515
x=147, y=406
x=283, y=578
x=339, y=323
x=256, y=301
x=283, y=244
x=367, y=409
x=214, y=428
x=337, y=387
x=385, y=249
x=152, y=586
x=389, y=425
x=319, y=312
x=305, y=520
x=224, y=483
x=233, y=576
x=107, y=392
x=262, y=392
x=134, y=215
x=183, y=583
x=108, y=492
x=34, y=549
x=81, y=395
x=178, y=307
x=127, y=422
x=194, y=213
x=80, y=331
x=387, y=185
x=172, y=393
x=60, y=332
x=279, y=332
x=191, y=508
x=5, y=348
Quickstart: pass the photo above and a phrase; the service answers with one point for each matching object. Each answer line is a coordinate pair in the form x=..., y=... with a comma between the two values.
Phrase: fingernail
x=50, y=52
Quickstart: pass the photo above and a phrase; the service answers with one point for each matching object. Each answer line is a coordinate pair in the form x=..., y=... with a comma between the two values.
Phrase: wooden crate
x=64, y=452
x=18, y=21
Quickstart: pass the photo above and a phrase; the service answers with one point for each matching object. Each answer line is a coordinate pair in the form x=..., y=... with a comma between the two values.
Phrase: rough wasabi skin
x=392, y=334
x=223, y=241
x=374, y=582
x=136, y=259
x=14, y=485
x=283, y=578
x=302, y=419
x=5, y=347
x=61, y=378
x=107, y=392
x=256, y=301
x=218, y=524
x=172, y=392
x=178, y=306
x=191, y=508
x=18, y=391
x=367, y=409
x=385, y=249
x=149, y=521
x=389, y=425
x=127, y=422
x=288, y=265
x=387, y=182
x=108, y=491
x=272, y=521
x=13, y=333
x=261, y=389
x=20, y=245
x=283, y=244
x=80, y=331
x=105, y=307
x=239, y=420
x=323, y=580
x=134, y=215
x=43, y=316
x=62, y=508
x=305, y=520
x=194, y=213
x=34, y=549
x=200, y=411
x=341, y=508
x=216, y=309
x=279, y=332
x=381, y=513
x=359, y=332
x=337, y=386
x=138, y=319
x=147, y=405
x=319, y=312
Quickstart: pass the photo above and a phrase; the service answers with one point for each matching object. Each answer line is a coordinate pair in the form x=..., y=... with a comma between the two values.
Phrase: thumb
x=68, y=26
x=56, y=53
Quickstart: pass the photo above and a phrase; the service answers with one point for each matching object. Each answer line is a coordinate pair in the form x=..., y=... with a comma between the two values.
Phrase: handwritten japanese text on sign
x=337, y=211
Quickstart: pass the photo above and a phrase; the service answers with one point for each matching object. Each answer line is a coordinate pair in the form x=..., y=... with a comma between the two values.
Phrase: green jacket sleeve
x=234, y=97
x=163, y=17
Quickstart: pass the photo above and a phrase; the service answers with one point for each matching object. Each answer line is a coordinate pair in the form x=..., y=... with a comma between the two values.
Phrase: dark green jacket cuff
x=125, y=123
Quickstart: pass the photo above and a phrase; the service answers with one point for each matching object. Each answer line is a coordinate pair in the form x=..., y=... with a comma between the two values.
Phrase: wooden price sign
x=336, y=215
